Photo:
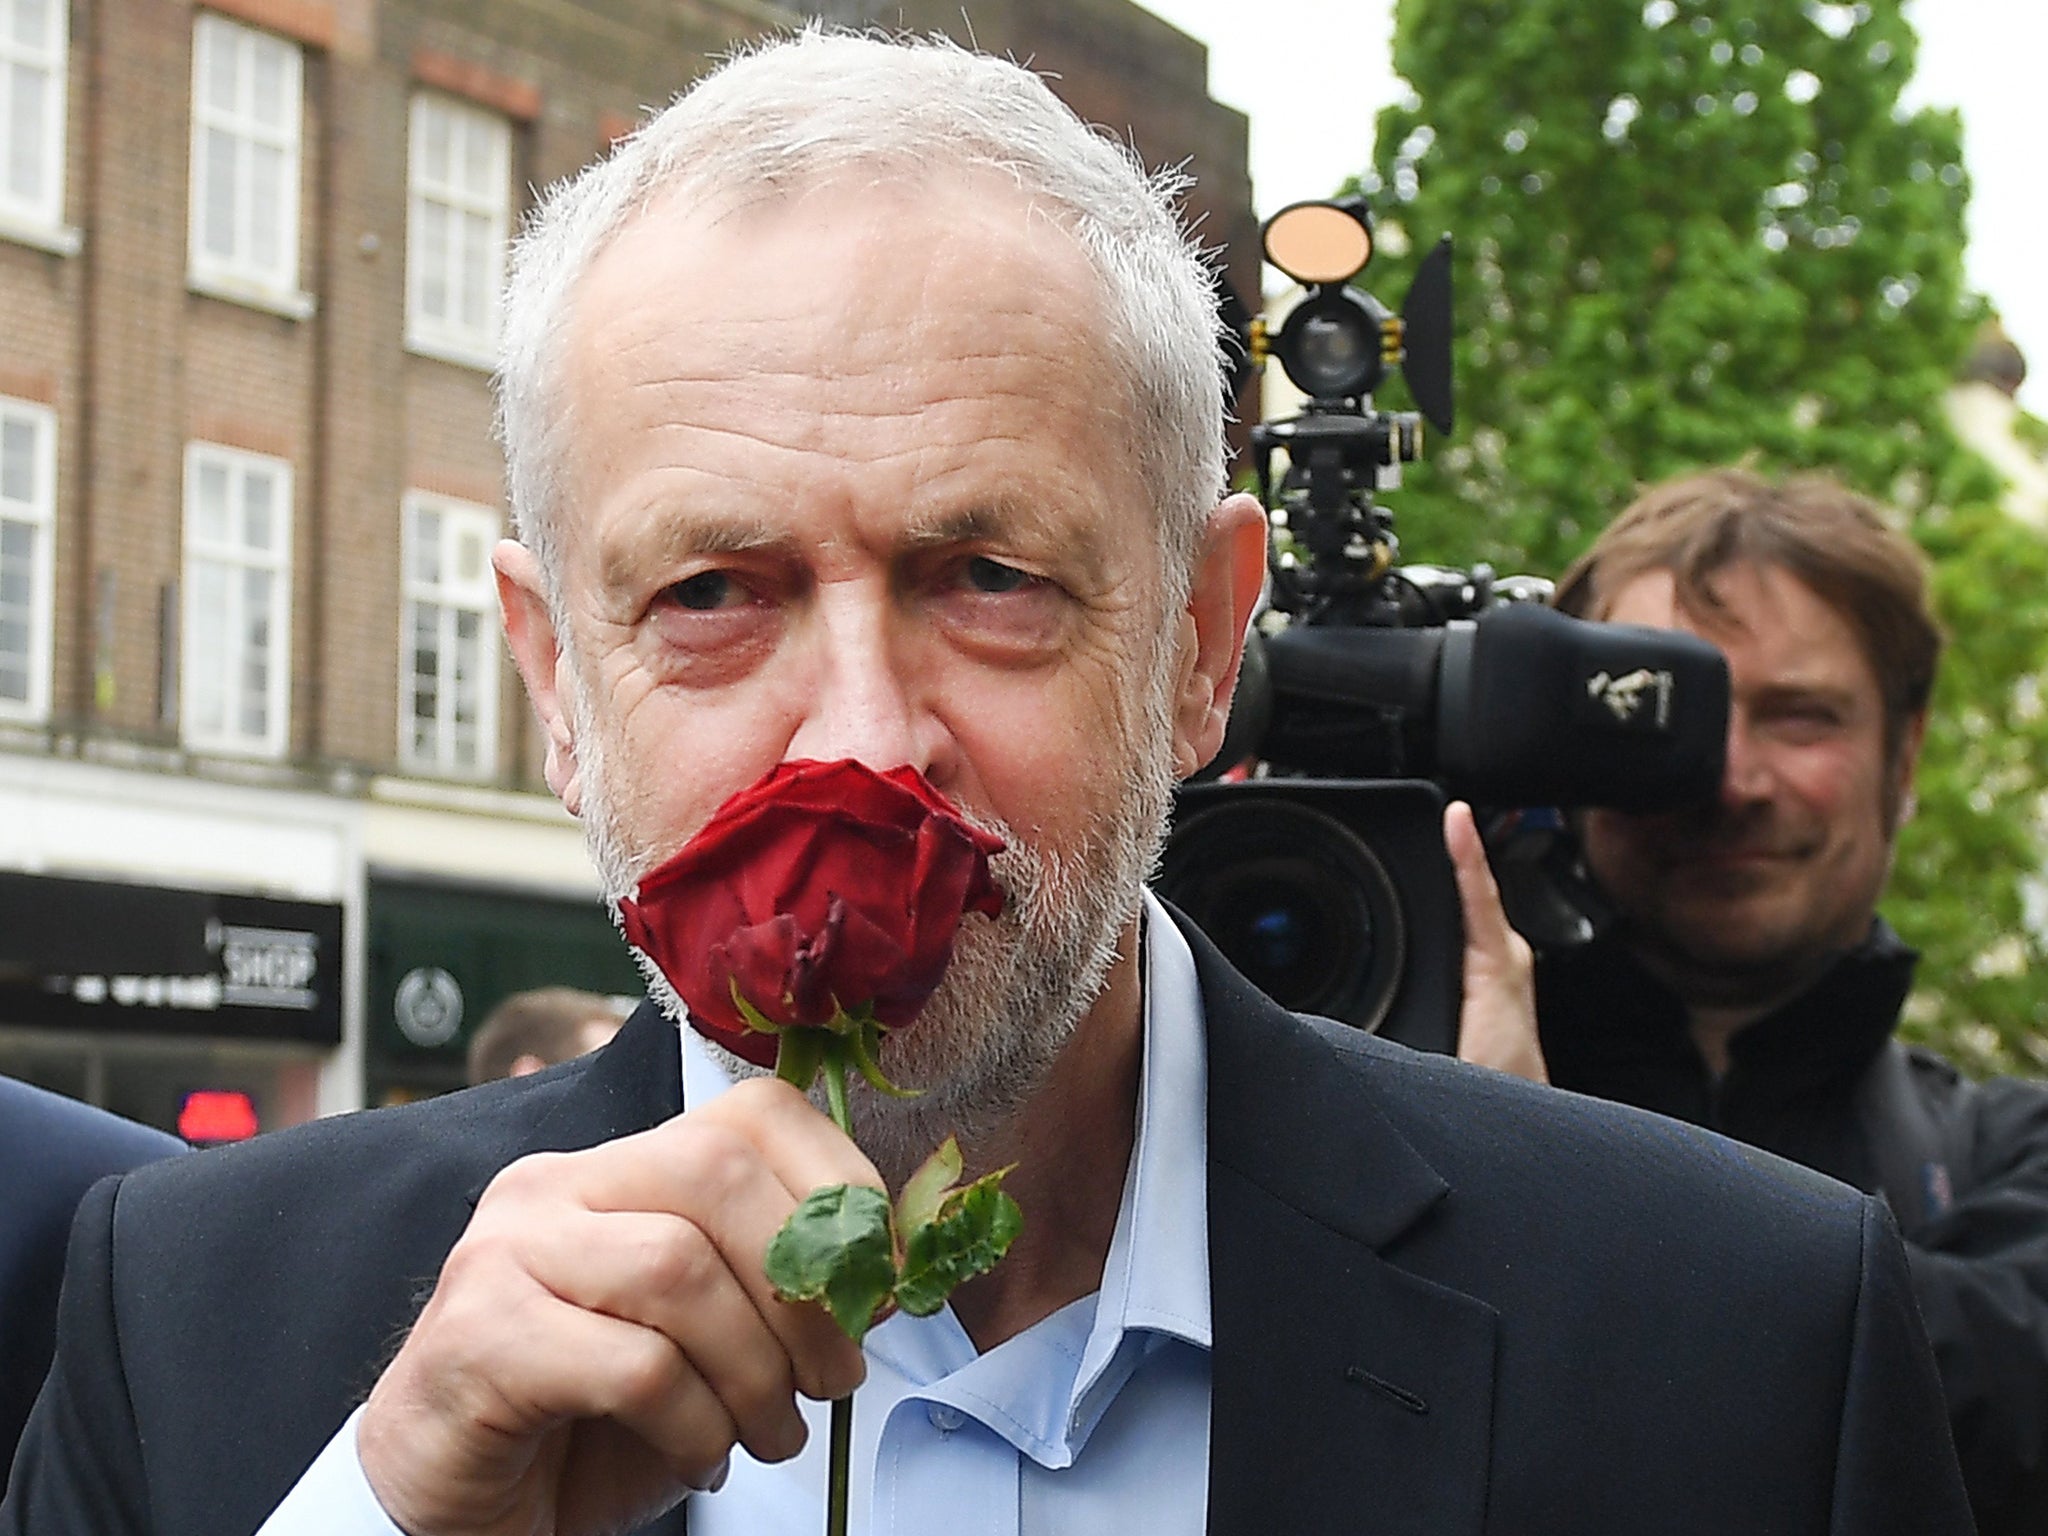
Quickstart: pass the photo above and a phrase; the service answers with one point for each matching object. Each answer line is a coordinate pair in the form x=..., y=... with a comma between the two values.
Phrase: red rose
x=826, y=889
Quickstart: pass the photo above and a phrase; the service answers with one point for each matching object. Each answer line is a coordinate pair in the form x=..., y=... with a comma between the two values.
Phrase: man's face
x=595, y=1034
x=1757, y=890
x=849, y=479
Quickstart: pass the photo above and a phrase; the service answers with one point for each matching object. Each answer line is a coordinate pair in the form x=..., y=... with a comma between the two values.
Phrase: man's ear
x=1230, y=572
x=1905, y=762
x=543, y=664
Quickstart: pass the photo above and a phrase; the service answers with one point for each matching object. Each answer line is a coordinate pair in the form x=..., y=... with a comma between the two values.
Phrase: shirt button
x=945, y=1417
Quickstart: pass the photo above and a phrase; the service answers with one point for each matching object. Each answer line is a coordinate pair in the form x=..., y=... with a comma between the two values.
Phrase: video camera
x=1372, y=690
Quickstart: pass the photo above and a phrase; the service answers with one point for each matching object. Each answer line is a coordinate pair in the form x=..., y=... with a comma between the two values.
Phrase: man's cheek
x=1609, y=848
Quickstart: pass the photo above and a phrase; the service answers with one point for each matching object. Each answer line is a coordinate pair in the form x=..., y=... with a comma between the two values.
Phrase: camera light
x=1316, y=243
x=1330, y=346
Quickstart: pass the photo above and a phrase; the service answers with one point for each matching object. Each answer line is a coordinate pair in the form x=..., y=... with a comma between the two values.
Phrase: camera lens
x=1330, y=349
x=1330, y=346
x=1295, y=901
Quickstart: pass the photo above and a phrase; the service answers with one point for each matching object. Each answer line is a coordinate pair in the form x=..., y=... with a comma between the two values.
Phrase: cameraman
x=1745, y=981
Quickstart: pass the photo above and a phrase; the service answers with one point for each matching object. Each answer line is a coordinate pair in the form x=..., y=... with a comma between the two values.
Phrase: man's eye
x=986, y=575
x=1806, y=722
x=704, y=592
x=1808, y=714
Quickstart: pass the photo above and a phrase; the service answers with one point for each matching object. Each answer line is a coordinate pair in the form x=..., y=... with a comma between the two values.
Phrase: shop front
x=470, y=895
x=208, y=1013
x=443, y=954
x=222, y=958
x=179, y=949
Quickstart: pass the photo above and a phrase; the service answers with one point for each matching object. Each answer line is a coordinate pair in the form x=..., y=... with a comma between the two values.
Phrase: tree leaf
x=973, y=1229
x=836, y=1248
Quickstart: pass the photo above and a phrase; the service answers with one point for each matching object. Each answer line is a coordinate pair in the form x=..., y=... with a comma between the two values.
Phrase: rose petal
x=823, y=882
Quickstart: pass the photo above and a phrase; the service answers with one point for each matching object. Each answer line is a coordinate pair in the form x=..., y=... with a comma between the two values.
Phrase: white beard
x=1019, y=984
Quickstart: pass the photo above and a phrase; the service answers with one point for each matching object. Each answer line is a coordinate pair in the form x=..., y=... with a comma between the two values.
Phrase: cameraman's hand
x=603, y=1333
x=1497, y=1023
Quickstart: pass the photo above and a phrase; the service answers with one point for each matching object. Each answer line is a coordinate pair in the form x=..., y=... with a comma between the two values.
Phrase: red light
x=217, y=1115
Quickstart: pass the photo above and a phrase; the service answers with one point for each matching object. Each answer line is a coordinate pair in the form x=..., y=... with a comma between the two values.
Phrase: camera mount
x=1337, y=346
x=1372, y=690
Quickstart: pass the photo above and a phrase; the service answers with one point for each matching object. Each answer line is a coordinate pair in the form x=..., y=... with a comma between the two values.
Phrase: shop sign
x=97, y=955
x=428, y=1006
x=439, y=956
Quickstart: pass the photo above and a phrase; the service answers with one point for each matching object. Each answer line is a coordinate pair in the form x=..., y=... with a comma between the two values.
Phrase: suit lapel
x=1347, y=1393
x=632, y=1084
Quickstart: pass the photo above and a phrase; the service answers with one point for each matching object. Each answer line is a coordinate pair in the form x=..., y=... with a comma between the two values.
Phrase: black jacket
x=1964, y=1165
x=1444, y=1303
x=51, y=1150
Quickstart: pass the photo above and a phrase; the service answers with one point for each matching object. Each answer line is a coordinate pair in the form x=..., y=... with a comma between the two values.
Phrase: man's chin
x=1731, y=953
x=984, y=1045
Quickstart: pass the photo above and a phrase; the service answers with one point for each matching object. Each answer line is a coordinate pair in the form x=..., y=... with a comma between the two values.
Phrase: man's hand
x=603, y=1333
x=1497, y=1022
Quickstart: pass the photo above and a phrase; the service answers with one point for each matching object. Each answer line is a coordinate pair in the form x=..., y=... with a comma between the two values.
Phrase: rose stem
x=842, y=1453
x=842, y=1407
x=835, y=1085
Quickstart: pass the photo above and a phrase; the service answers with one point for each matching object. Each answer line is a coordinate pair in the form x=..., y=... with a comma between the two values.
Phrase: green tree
x=1701, y=233
x=1968, y=887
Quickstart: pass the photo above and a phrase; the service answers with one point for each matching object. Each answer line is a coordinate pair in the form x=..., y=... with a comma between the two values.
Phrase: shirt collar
x=1157, y=1273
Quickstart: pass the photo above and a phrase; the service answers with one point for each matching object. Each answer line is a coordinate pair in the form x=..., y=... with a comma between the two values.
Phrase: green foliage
x=1969, y=862
x=836, y=1248
x=970, y=1231
x=1697, y=232
x=843, y=1246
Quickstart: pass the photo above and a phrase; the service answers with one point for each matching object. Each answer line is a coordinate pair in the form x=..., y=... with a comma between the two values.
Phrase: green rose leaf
x=926, y=1190
x=971, y=1229
x=836, y=1248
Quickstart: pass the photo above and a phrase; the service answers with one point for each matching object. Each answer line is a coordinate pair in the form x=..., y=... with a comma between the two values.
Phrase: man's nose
x=1746, y=776
x=865, y=701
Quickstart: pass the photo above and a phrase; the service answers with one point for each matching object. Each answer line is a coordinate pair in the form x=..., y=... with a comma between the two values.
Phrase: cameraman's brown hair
x=1811, y=527
x=548, y=1023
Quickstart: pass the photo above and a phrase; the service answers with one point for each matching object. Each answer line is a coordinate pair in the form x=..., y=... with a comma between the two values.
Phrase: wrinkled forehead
x=908, y=344
x=884, y=216
x=833, y=274
x=828, y=293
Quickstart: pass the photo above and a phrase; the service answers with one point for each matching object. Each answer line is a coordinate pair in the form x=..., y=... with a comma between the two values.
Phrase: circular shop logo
x=428, y=1006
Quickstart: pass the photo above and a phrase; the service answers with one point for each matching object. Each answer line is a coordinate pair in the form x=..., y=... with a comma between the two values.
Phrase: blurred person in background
x=539, y=1028
x=52, y=1149
x=1741, y=978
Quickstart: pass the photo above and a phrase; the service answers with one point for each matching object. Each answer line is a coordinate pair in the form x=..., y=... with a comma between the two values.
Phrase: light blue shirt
x=1092, y=1422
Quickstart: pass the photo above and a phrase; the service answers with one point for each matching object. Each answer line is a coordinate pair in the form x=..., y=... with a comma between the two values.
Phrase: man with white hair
x=865, y=406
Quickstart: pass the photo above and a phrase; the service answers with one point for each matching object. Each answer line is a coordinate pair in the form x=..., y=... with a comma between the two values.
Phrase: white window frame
x=438, y=188
x=238, y=274
x=38, y=511
x=238, y=557
x=451, y=592
x=38, y=219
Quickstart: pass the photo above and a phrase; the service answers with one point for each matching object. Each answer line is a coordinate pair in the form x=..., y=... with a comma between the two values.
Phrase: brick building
x=272, y=831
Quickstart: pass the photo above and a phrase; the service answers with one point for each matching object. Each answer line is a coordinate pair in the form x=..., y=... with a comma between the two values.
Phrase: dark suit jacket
x=52, y=1149
x=1445, y=1302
